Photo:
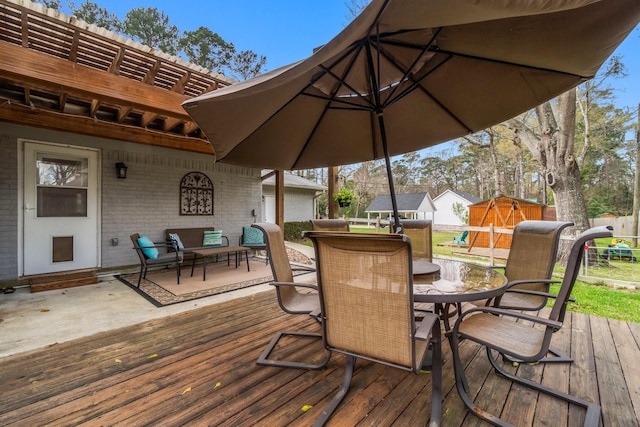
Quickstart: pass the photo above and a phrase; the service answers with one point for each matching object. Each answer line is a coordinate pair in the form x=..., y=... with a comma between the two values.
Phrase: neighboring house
x=445, y=203
x=300, y=198
x=411, y=206
x=76, y=103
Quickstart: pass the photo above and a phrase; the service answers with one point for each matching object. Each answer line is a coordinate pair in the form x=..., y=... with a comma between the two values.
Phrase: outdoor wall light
x=121, y=170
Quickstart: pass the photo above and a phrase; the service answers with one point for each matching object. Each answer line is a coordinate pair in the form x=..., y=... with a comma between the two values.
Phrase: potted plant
x=344, y=197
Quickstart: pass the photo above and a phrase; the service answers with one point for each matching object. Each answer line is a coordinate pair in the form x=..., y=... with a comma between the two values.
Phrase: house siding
x=147, y=201
x=444, y=214
x=298, y=203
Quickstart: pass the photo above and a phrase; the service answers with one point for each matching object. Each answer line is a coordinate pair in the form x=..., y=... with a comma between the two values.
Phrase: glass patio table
x=457, y=282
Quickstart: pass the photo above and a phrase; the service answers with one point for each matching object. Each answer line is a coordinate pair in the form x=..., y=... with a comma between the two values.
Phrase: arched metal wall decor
x=196, y=194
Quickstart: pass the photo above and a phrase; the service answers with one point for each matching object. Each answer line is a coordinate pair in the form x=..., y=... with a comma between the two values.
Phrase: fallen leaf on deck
x=305, y=408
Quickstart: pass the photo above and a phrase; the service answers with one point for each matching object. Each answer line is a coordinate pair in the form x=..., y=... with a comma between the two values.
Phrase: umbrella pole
x=397, y=228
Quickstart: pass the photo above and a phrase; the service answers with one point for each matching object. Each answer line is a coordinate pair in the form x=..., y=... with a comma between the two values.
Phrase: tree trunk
x=553, y=148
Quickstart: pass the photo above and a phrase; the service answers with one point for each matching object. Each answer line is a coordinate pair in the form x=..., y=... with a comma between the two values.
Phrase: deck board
x=198, y=368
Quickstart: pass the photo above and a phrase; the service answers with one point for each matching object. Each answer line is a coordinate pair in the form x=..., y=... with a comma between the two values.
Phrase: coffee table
x=219, y=250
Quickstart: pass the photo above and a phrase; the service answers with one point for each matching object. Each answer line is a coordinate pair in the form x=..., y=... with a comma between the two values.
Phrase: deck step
x=49, y=282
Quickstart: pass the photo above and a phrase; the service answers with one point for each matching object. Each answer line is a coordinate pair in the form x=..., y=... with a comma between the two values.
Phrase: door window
x=62, y=185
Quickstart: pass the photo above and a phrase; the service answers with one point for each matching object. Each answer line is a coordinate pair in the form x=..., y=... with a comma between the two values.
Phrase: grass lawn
x=596, y=299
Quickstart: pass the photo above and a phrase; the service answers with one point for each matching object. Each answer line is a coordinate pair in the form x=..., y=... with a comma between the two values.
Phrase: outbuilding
x=503, y=212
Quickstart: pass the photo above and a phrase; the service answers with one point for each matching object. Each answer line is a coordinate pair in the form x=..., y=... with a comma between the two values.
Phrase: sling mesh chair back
x=330, y=225
x=510, y=332
x=534, y=248
x=293, y=298
x=419, y=231
x=366, y=293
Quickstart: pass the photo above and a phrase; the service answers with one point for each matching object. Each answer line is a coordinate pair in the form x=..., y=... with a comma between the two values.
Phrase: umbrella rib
x=329, y=99
x=406, y=72
x=345, y=101
x=503, y=62
x=343, y=81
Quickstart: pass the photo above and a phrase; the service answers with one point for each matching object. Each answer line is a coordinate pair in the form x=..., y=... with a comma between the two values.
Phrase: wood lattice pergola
x=60, y=73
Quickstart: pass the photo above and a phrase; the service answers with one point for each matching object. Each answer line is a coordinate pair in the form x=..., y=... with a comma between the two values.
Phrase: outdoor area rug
x=160, y=287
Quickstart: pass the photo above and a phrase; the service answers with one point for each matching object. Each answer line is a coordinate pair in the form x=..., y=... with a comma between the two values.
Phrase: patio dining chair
x=522, y=336
x=534, y=248
x=290, y=298
x=365, y=284
x=419, y=231
x=333, y=224
x=150, y=256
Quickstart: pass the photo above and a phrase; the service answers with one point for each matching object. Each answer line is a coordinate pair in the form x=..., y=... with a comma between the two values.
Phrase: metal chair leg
x=264, y=360
x=342, y=392
x=592, y=418
x=558, y=357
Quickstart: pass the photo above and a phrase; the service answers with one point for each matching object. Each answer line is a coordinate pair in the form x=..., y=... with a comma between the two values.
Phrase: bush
x=293, y=230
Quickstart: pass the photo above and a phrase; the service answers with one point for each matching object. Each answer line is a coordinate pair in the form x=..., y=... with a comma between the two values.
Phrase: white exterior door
x=269, y=209
x=60, y=208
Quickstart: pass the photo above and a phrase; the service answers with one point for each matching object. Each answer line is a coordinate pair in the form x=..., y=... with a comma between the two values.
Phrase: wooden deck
x=198, y=368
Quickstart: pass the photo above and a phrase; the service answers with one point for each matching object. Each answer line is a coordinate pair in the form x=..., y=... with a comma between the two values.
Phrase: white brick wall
x=146, y=202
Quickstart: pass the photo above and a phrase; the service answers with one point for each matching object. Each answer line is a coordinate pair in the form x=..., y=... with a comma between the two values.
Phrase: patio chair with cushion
x=150, y=256
x=365, y=284
x=336, y=224
x=290, y=298
x=253, y=238
x=522, y=336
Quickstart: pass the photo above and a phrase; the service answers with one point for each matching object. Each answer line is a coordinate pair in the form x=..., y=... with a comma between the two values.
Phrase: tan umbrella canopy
x=408, y=74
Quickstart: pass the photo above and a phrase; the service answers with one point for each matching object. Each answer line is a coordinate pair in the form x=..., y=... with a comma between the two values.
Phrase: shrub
x=293, y=230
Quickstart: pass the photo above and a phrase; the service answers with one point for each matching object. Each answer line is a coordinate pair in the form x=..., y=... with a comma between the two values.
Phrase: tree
x=91, y=13
x=246, y=64
x=52, y=4
x=461, y=212
x=601, y=150
x=552, y=144
x=152, y=28
x=207, y=49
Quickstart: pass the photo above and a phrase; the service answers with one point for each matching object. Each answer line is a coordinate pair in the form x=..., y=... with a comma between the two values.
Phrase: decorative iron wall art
x=196, y=194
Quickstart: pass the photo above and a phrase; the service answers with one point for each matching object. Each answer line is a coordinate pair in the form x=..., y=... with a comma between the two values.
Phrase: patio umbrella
x=408, y=74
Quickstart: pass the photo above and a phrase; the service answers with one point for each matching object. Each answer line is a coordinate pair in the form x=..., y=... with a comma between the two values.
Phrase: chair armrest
x=427, y=325
x=524, y=281
x=302, y=268
x=292, y=284
x=538, y=293
x=532, y=293
x=509, y=313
